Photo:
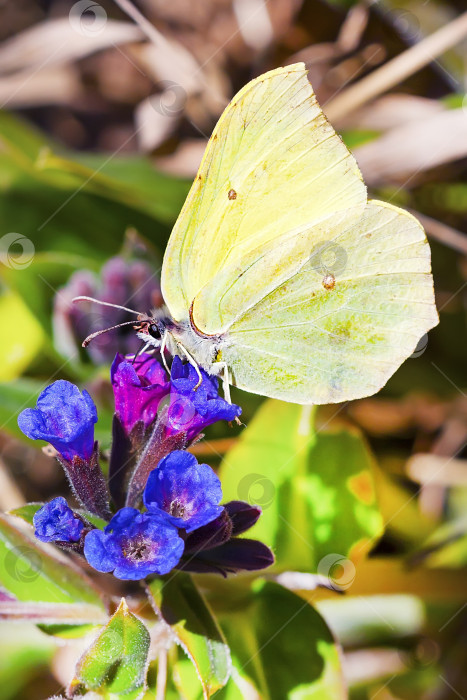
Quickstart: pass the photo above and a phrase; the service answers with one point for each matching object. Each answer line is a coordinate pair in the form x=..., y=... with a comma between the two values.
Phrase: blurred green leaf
x=17, y=349
x=178, y=602
x=282, y=645
x=80, y=204
x=373, y=620
x=132, y=180
x=115, y=664
x=34, y=572
x=357, y=137
x=38, y=283
x=446, y=546
x=315, y=488
x=24, y=652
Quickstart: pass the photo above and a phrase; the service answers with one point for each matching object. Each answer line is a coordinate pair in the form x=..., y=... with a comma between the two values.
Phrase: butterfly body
x=180, y=336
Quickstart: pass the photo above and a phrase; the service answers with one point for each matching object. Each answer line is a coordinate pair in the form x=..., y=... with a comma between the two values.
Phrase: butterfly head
x=151, y=330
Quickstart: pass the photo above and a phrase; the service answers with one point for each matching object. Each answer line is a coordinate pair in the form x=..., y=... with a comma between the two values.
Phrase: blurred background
x=105, y=113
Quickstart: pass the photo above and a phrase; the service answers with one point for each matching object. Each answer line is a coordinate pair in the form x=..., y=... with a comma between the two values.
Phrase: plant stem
x=161, y=675
x=398, y=69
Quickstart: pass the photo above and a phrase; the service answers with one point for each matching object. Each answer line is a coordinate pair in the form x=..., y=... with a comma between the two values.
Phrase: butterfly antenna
x=107, y=303
x=87, y=340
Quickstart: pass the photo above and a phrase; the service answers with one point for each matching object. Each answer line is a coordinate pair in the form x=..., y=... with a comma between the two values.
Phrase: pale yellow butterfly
x=279, y=271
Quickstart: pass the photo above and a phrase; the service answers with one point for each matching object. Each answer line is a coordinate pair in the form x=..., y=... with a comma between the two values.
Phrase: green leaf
x=24, y=652
x=38, y=283
x=132, y=180
x=26, y=512
x=129, y=179
x=315, y=488
x=115, y=665
x=283, y=646
x=17, y=350
x=357, y=137
x=178, y=602
x=32, y=571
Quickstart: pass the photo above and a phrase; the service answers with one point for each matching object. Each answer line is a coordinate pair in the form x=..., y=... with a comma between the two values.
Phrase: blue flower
x=192, y=409
x=139, y=386
x=134, y=545
x=56, y=522
x=184, y=492
x=64, y=417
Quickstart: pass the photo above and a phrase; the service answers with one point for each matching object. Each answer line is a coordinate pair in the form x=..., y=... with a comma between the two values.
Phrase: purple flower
x=215, y=547
x=192, y=409
x=134, y=545
x=184, y=492
x=64, y=417
x=138, y=387
x=120, y=281
x=56, y=522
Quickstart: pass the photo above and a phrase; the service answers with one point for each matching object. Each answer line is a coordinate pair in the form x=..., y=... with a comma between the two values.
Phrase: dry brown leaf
x=434, y=469
x=186, y=159
x=56, y=85
x=59, y=41
x=390, y=111
x=405, y=151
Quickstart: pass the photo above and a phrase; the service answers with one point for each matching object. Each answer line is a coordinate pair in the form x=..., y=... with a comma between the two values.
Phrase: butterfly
x=280, y=275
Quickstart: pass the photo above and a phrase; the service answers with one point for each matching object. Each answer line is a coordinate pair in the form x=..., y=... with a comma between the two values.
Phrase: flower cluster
x=120, y=279
x=160, y=508
x=142, y=390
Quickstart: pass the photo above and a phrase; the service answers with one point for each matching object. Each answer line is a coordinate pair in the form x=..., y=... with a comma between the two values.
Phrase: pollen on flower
x=177, y=509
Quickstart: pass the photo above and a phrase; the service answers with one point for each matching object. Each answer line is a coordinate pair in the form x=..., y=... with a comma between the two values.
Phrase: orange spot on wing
x=362, y=487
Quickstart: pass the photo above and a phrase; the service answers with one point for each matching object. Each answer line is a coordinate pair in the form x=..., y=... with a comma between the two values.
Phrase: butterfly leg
x=142, y=349
x=162, y=351
x=192, y=362
x=221, y=367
